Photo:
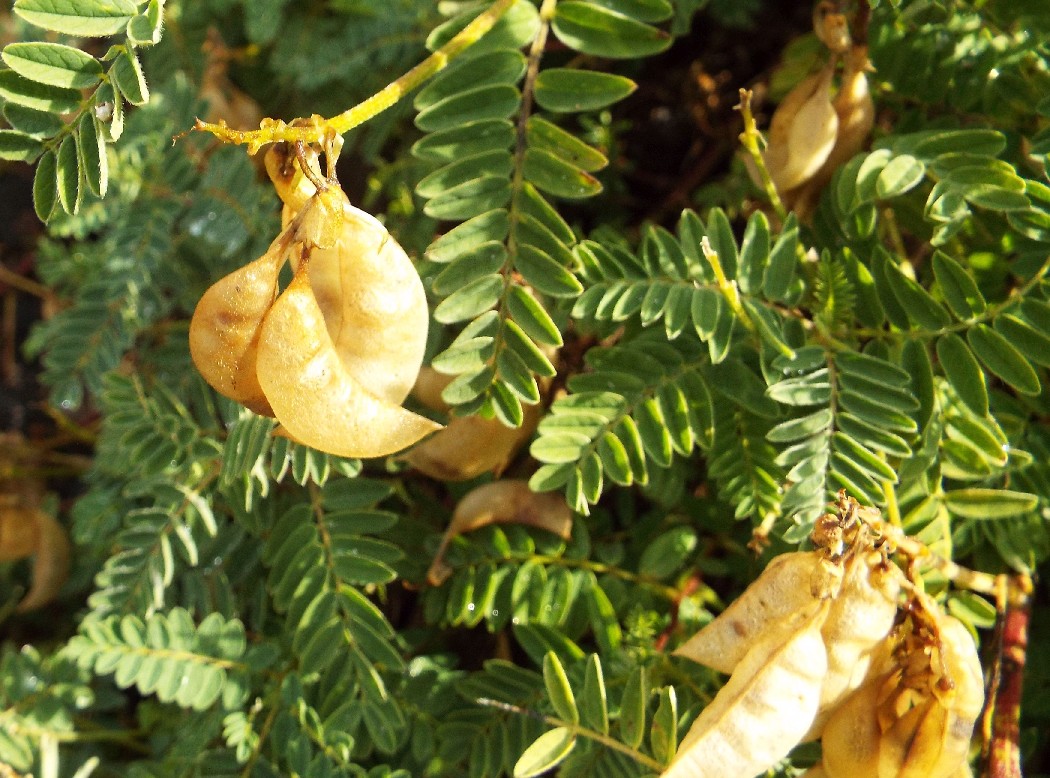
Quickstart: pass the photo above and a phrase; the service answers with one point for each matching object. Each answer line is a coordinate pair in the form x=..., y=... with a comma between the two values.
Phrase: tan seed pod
x=914, y=716
x=502, y=502
x=763, y=710
x=803, y=131
x=856, y=118
x=315, y=397
x=469, y=445
x=372, y=299
x=19, y=529
x=860, y=618
x=816, y=771
x=50, y=563
x=784, y=590
x=291, y=184
x=224, y=330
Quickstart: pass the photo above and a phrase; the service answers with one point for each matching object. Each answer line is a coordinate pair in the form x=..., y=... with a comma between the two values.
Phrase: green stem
x=751, y=140
x=316, y=129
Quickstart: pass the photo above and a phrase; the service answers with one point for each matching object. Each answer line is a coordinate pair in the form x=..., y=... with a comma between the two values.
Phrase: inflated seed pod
x=816, y=771
x=224, y=330
x=291, y=184
x=860, y=618
x=914, y=716
x=19, y=529
x=763, y=710
x=803, y=131
x=314, y=395
x=942, y=737
x=856, y=117
x=784, y=590
x=469, y=445
x=50, y=562
x=372, y=300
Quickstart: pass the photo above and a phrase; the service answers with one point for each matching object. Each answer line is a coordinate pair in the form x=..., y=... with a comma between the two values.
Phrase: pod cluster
x=818, y=647
x=334, y=355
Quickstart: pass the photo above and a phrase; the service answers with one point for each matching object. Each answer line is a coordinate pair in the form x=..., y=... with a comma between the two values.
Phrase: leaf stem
x=316, y=128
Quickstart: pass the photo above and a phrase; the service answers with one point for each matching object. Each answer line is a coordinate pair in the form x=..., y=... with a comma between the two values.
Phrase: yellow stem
x=751, y=140
x=315, y=129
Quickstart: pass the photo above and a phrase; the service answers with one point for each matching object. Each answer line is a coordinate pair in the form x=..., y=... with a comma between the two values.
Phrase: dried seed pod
x=856, y=117
x=803, y=131
x=502, y=502
x=50, y=563
x=860, y=618
x=816, y=771
x=291, y=184
x=27, y=531
x=469, y=445
x=19, y=529
x=914, y=716
x=224, y=330
x=372, y=299
x=316, y=398
x=784, y=590
x=763, y=710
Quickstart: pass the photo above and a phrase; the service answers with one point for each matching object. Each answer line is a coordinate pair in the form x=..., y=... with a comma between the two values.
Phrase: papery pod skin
x=19, y=529
x=502, y=502
x=860, y=618
x=51, y=559
x=963, y=703
x=763, y=710
x=369, y=292
x=852, y=733
x=816, y=771
x=317, y=400
x=469, y=445
x=856, y=118
x=224, y=330
x=867, y=736
x=802, y=132
x=784, y=590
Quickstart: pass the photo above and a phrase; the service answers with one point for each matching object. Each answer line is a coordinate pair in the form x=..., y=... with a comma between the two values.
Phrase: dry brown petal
x=502, y=502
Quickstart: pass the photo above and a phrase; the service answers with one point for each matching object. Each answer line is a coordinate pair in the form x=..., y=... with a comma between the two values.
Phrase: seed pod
x=19, y=529
x=816, y=771
x=224, y=330
x=859, y=620
x=803, y=130
x=502, y=502
x=914, y=716
x=784, y=590
x=50, y=562
x=469, y=445
x=762, y=711
x=856, y=117
x=314, y=395
x=372, y=299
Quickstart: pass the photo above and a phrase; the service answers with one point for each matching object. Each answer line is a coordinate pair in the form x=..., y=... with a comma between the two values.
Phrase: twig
x=316, y=128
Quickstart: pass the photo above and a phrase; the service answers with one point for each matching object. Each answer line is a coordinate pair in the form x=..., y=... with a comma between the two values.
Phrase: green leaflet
x=128, y=77
x=963, y=372
x=83, y=19
x=552, y=174
x=593, y=29
x=549, y=138
x=1002, y=359
x=19, y=147
x=53, y=64
x=958, y=287
x=562, y=90
x=497, y=101
x=545, y=753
